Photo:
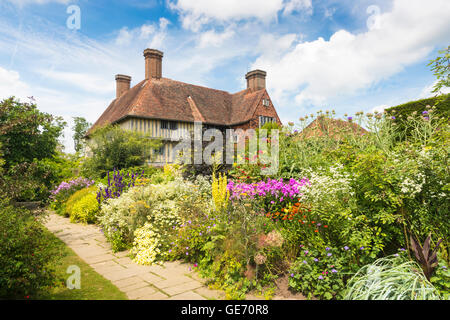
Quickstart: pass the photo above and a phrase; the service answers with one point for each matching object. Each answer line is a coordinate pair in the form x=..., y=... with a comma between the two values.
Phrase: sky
x=341, y=55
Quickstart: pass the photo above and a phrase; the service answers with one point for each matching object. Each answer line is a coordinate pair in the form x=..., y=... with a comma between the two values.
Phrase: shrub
x=441, y=279
x=26, y=254
x=320, y=273
x=391, y=278
x=65, y=189
x=73, y=199
x=113, y=147
x=85, y=210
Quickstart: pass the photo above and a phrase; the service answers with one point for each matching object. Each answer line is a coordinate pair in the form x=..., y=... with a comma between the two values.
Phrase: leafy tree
x=27, y=133
x=112, y=147
x=79, y=130
x=441, y=68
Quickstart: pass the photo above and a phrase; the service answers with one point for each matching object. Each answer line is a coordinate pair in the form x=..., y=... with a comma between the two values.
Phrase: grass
x=93, y=285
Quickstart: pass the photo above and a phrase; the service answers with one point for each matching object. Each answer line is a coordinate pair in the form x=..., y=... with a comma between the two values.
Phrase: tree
x=28, y=138
x=441, y=68
x=26, y=133
x=79, y=131
x=112, y=147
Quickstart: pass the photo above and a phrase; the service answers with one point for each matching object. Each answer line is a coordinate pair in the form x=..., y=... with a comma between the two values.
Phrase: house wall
x=261, y=110
x=152, y=128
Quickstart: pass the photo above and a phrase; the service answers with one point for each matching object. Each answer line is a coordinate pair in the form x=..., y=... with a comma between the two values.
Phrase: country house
x=165, y=109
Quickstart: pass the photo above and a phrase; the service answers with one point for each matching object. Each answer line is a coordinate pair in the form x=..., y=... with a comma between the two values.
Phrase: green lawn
x=93, y=285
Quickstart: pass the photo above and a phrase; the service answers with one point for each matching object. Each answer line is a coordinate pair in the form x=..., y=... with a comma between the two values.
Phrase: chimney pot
x=153, y=63
x=256, y=80
x=122, y=84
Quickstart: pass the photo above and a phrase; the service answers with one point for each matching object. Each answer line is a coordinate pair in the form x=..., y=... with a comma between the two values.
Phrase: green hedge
x=441, y=102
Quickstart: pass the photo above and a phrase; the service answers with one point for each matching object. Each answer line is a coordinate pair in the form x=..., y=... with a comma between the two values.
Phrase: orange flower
x=316, y=230
x=312, y=222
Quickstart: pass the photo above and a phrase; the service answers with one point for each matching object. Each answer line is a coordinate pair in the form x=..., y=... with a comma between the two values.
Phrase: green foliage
x=402, y=111
x=441, y=68
x=26, y=133
x=79, y=131
x=391, y=278
x=74, y=198
x=112, y=147
x=441, y=279
x=85, y=209
x=26, y=255
x=320, y=273
x=29, y=140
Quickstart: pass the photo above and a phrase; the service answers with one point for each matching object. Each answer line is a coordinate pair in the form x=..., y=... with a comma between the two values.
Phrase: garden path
x=172, y=281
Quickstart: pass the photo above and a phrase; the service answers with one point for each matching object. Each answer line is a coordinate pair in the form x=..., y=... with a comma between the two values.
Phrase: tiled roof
x=174, y=100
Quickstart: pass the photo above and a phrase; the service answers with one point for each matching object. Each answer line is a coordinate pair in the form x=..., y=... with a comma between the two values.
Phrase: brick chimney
x=256, y=80
x=153, y=63
x=122, y=84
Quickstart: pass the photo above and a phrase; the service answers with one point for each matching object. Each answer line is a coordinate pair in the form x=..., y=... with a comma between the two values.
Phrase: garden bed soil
x=283, y=291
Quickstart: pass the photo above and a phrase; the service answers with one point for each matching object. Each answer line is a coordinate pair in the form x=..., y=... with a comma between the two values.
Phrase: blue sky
x=319, y=55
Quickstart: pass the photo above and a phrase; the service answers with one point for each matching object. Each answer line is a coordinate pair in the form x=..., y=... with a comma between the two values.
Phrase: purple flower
x=444, y=267
x=292, y=275
x=402, y=249
x=329, y=254
x=320, y=278
x=362, y=248
x=333, y=270
x=187, y=253
x=346, y=248
x=396, y=255
x=393, y=118
x=306, y=252
x=315, y=259
x=425, y=112
x=304, y=261
x=327, y=248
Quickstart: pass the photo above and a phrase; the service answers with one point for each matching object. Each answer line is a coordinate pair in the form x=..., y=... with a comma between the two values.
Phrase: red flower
x=325, y=226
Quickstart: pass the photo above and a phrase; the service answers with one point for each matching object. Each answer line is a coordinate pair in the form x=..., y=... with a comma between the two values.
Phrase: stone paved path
x=173, y=280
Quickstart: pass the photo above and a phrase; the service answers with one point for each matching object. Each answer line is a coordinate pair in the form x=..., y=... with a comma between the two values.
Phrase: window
x=164, y=124
x=159, y=151
x=173, y=125
x=266, y=102
x=263, y=120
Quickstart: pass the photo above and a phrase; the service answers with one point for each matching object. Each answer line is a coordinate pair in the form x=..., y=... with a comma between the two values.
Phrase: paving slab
x=172, y=280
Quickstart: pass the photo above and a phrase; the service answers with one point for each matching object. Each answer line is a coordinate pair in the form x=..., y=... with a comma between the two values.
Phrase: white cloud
x=213, y=38
x=86, y=81
x=427, y=91
x=321, y=69
x=153, y=33
x=196, y=13
x=297, y=6
x=379, y=108
x=10, y=84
